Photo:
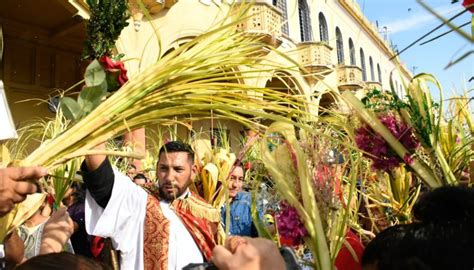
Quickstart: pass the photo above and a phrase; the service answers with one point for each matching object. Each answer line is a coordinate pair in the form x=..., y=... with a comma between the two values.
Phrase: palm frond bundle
x=200, y=76
x=323, y=203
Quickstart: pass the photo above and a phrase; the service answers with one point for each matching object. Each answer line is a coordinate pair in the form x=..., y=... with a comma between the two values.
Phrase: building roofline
x=354, y=10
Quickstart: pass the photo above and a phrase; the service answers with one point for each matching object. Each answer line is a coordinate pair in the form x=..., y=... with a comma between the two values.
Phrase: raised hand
x=245, y=253
x=57, y=230
x=16, y=183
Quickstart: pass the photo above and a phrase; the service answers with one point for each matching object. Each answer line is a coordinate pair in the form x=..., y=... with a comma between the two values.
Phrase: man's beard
x=164, y=194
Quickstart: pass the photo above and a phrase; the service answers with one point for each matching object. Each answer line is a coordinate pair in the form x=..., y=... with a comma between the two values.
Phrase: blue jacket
x=240, y=216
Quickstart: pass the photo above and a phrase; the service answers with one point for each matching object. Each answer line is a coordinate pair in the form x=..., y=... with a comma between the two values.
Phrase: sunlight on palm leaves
x=184, y=83
x=294, y=171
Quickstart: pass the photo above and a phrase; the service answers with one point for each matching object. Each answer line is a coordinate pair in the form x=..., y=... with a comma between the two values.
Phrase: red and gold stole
x=200, y=218
x=156, y=236
x=202, y=221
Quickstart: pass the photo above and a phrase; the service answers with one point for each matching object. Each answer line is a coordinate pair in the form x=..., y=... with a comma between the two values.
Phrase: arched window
x=323, y=28
x=379, y=72
x=362, y=65
x=372, y=73
x=352, y=52
x=305, y=21
x=281, y=4
x=339, y=47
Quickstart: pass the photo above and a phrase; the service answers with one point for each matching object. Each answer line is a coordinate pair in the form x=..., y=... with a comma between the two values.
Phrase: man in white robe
x=152, y=230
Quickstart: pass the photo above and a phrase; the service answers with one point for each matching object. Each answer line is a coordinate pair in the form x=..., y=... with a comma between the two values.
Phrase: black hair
x=422, y=246
x=443, y=237
x=140, y=176
x=62, y=260
x=446, y=204
x=131, y=166
x=79, y=192
x=177, y=146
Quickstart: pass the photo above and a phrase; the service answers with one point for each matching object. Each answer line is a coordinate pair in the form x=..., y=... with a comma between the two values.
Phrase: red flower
x=113, y=67
x=248, y=165
x=470, y=4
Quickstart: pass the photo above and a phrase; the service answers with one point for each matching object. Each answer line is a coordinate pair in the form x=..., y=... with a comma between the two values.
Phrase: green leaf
x=95, y=74
x=70, y=108
x=91, y=97
x=112, y=82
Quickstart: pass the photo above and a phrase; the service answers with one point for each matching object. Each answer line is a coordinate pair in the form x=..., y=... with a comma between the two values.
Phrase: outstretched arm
x=98, y=177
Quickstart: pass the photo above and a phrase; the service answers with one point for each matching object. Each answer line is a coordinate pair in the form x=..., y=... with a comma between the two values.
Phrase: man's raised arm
x=98, y=177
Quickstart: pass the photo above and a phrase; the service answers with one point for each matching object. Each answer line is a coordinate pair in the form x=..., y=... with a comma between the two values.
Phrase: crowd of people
x=115, y=220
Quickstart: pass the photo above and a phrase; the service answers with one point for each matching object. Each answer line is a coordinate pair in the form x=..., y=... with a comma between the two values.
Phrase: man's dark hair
x=177, y=146
x=131, y=166
x=79, y=192
x=140, y=176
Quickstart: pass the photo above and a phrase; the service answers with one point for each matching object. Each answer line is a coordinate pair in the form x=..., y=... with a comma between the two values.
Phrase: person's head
x=175, y=169
x=140, y=179
x=442, y=237
x=131, y=171
x=236, y=180
x=62, y=260
x=74, y=194
x=445, y=204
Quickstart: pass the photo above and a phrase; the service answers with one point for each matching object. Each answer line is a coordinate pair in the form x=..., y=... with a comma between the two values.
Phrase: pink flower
x=382, y=156
x=114, y=67
x=408, y=159
x=290, y=225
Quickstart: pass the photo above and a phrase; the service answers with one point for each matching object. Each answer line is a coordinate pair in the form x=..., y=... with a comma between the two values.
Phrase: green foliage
x=379, y=101
x=70, y=108
x=95, y=74
x=90, y=96
x=108, y=18
x=421, y=124
x=382, y=102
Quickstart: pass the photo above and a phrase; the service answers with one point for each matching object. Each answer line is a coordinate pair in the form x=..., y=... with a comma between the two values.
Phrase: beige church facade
x=335, y=44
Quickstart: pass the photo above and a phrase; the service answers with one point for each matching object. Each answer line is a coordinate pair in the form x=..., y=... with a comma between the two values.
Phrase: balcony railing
x=264, y=21
x=155, y=6
x=349, y=78
x=373, y=85
x=315, y=57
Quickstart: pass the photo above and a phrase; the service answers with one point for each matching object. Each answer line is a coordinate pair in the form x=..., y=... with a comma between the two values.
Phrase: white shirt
x=182, y=247
x=123, y=221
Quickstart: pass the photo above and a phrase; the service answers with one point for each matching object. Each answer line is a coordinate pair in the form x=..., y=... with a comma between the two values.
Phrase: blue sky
x=406, y=21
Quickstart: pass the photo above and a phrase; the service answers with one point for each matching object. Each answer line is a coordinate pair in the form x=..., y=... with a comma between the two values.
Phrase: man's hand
x=14, y=249
x=16, y=183
x=245, y=253
x=57, y=230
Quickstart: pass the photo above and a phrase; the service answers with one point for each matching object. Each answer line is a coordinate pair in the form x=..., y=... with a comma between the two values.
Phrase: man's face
x=131, y=172
x=236, y=181
x=139, y=181
x=174, y=172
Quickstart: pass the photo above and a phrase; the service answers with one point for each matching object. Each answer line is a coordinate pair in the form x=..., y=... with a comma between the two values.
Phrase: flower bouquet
x=317, y=202
x=413, y=132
